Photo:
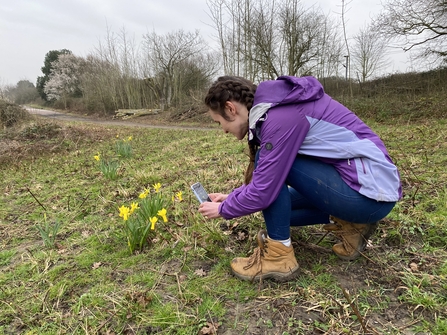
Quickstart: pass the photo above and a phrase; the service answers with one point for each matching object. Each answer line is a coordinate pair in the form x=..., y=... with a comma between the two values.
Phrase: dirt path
x=75, y=118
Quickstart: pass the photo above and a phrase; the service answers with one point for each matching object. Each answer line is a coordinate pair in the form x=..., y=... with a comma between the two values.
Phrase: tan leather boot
x=353, y=236
x=271, y=259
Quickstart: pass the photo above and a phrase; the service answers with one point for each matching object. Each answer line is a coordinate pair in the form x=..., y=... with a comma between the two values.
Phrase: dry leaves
x=210, y=328
x=96, y=265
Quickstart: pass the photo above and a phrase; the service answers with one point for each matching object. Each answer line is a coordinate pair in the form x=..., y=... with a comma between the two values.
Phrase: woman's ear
x=230, y=108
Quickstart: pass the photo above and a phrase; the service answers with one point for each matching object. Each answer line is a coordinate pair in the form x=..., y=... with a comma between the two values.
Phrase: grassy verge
x=87, y=281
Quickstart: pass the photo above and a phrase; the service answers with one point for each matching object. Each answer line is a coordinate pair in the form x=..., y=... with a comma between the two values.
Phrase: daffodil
x=133, y=207
x=179, y=195
x=124, y=212
x=157, y=187
x=97, y=157
x=153, y=220
x=144, y=194
x=162, y=214
x=129, y=138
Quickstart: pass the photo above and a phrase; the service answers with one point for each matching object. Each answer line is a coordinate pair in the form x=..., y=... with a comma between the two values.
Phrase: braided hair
x=233, y=88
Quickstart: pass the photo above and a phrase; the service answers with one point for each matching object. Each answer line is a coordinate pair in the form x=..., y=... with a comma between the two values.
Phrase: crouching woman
x=313, y=161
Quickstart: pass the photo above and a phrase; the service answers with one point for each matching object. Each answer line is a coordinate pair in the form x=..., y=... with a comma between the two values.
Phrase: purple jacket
x=297, y=117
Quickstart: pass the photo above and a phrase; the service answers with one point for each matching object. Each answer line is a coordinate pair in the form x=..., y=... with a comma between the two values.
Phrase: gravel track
x=75, y=118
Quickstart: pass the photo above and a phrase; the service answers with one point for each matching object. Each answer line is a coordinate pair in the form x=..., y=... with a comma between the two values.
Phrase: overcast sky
x=31, y=28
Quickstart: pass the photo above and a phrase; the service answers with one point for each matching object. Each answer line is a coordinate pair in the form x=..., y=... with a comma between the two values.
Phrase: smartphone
x=200, y=192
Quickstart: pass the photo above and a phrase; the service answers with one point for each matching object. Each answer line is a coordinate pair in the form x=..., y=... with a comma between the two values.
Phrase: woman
x=312, y=161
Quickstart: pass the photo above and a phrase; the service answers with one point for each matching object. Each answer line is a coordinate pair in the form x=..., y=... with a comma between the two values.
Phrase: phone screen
x=200, y=192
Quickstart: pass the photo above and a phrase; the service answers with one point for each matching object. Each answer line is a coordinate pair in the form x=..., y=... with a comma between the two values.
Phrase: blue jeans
x=313, y=191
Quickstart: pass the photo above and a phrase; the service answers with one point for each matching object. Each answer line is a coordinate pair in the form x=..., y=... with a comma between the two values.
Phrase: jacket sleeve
x=282, y=134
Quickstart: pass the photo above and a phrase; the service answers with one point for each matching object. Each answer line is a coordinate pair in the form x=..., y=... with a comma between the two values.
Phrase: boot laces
x=341, y=233
x=256, y=257
x=344, y=229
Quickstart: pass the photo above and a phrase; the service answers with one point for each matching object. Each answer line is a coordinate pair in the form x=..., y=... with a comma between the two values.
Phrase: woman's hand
x=210, y=210
x=217, y=197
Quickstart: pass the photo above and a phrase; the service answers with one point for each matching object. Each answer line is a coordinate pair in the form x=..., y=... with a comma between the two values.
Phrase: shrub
x=10, y=114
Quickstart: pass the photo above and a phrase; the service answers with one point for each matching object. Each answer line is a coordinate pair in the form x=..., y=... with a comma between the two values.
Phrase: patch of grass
x=6, y=256
x=180, y=283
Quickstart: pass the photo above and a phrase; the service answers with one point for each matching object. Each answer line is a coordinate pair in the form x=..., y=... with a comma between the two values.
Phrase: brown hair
x=233, y=88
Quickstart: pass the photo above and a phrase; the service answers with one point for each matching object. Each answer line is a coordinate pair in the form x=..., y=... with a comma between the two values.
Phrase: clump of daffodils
x=108, y=167
x=123, y=147
x=142, y=216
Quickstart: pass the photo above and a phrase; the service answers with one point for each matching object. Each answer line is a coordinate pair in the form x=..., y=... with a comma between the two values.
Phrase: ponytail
x=251, y=165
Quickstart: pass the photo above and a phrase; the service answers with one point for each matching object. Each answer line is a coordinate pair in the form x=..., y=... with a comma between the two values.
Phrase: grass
x=87, y=282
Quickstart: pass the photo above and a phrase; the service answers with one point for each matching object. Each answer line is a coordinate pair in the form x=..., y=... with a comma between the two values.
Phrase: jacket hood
x=288, y=89
x=282, y=91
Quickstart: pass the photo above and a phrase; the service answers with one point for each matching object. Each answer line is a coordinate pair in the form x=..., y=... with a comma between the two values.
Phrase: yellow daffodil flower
x=124, y=212
x=144, y=194
x=129, y=138
x=179, y=195
x=97, y=157
x=162, y=214
x=157, y=187
x=133, y=207
x=153, y=220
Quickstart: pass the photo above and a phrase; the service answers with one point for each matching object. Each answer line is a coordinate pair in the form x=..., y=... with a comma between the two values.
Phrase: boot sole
x=277, y=276
x=348, y=258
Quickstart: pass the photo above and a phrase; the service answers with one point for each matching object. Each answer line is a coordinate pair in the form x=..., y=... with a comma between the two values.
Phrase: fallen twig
x=354, y=308
x=36, y=199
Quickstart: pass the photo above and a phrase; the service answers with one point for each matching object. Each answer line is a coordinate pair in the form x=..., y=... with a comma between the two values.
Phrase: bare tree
x=368, y=53
x=163, y=55
x=330, y=53
x=344, y=10
x=417, y=24
x=216, y=13
x=98, y=83
x=301, y=36
x=269, y=38
x=230, y=17
x=120, y=53
x=261, y=43
x=158, y=72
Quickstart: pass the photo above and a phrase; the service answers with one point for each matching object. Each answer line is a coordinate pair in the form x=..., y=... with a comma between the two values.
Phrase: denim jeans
x=313, y=191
